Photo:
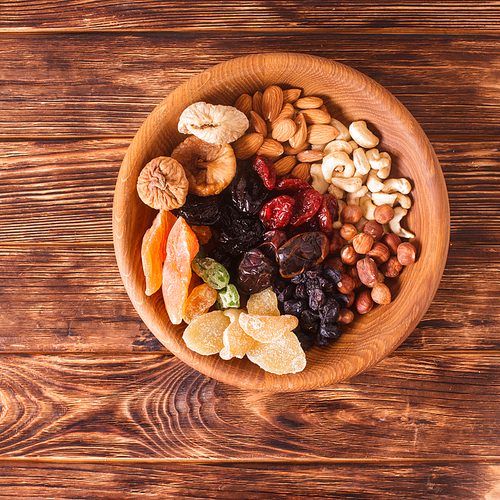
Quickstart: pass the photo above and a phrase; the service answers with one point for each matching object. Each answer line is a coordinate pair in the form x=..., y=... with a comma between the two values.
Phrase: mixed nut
x=292, y=214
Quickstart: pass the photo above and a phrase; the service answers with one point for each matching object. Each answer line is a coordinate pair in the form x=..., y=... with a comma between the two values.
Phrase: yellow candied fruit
x=284, y=355
x=236, y=341
x=265, y=302
x=199, y=301
x=204, y=334
x=265, y=328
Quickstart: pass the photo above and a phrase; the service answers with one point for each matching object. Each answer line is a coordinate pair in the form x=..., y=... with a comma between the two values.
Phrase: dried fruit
x=236, y=341
x=247, y=190
x=199, y=301
x=265, y=168
x=291, y=184
x=328, y=213
x=201, y=210
x=275, y=214
x=255, y=272
x=265, y=328
x=154, y=249
x=215, y=124
x=162, y=184
x=263, y=303
x=228, y=297
x=211, y=272
x=209, y=167
x=307, y=203
x=204, y=334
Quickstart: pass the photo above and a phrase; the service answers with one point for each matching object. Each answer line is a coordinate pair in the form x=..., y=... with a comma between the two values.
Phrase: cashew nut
x=353, y=198
x=337, y=145
x=343, y=130
x=384, y=198
x=401, y=185
x=367, y=207
x=318, y=147
x=318, y=181
x=360, y=224
x=337, y=161
x=360, y=133
x=336, y=192
x=349, y=184
x=361, y=161
x=380, y=162
x=373, y=182
x=395, y=223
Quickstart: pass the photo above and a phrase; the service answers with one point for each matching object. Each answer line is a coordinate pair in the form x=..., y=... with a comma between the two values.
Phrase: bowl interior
x=349, y=95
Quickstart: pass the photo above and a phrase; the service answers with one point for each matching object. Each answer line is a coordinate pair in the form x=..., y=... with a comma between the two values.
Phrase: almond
x=289, y=150
x=257, y=102
x=272, y=102
x=291, y=95
x=316, y=116
x=310, y=156
x=321, y=134
x=271, y=148
x=258, y=123
x=301, y=135
x=283, y=129
x=285, y=165
x=288, y=111
x=309, y=102
x=302, y=171
x=244, y=104
x=247, y=145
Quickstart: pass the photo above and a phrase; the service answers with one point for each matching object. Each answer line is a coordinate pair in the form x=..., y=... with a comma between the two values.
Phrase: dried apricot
x=154, y=249
x=265, y=328
x=236, y=341
x=199, y=301
x=263, y=303
x=204, y=334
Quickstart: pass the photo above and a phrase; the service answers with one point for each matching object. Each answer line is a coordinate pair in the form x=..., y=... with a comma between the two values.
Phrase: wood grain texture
x=153, y=406
x=68, y=187
x=317, y=481
x=53, y=85
x=392, y=16
x=73, y=300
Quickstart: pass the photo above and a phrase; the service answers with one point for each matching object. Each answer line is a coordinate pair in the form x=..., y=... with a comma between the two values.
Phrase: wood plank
x=73, y=300
x=393, y=16
x=446, y=481
x=440, y=408
x=53, y=85
x=61, y=192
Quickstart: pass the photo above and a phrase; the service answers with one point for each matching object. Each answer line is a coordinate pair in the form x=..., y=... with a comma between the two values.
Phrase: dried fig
x=209, y=167
x=162, y=184
x=215, y=124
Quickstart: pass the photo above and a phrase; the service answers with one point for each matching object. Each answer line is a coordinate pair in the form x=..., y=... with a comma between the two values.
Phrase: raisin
x=307, y=203
x=332, y=274
x=275, y=214
x=265, y=168
x=255, y=272
x=328, y=213
x=247, y=191
x=330, y=311
x=306, y=342
x=329, y=330
x=321, y=340
x=341, y=298
x=300, y=291
x=309, y=320
x=316, y=299
x=294, y=306
x=200, y=210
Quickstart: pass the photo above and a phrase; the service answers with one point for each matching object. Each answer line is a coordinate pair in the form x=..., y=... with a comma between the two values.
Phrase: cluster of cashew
x=357, y=173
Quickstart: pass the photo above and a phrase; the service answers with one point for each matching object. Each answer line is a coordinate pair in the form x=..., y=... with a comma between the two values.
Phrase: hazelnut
x=348, y=255
x=381, y=294
x=364, y=302
x=346, y=284
x=348, y=231
x=379, y=253
x=351, y=297
x=345, y=316
x=383, y=214
x=392, y=241
x=336, y=242
x=373, y=228
x=351, y=214
x=362, y=243
x=367, y=271
x=406, y=253
x=391, y=268
x=353, y=273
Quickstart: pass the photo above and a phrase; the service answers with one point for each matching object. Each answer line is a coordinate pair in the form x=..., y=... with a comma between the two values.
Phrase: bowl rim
x=147, y=307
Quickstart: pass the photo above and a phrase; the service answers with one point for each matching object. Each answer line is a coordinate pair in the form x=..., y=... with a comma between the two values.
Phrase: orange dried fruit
x=236, y=341
x=265, y=328
x=264, y=303
x=154, y=249
x=182, y=246
x=199, y=301
x=204, y=334
x=284, y=355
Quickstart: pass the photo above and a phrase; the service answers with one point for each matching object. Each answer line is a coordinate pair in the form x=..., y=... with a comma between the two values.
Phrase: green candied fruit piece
x=228, y=297
x=211, y=272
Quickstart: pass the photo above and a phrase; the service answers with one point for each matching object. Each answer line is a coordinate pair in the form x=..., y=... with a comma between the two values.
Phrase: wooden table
x=91, y=405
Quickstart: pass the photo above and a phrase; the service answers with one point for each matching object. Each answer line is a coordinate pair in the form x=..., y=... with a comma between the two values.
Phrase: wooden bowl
x=349, y=95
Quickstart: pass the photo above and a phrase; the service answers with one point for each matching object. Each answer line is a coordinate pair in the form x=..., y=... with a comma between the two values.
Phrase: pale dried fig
x=162, y=184
x=209, y=167
x=215, y=124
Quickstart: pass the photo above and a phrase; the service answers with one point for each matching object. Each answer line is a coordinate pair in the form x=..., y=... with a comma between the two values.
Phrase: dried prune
x=302, y=252
x=201, y=210
x=255, y=272
x=328, y=213
x=247, y=191
x=307, y=203
x=275, y=214
x=265, y=168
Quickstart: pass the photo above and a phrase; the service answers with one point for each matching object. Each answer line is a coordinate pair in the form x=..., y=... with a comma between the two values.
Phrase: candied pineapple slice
x=285, y=355
x=236, y=341
x=264, y=328
x=204, y=334
x=265, y=303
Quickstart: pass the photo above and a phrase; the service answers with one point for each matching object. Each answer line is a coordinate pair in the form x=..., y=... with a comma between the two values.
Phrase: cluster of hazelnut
x=366, y=255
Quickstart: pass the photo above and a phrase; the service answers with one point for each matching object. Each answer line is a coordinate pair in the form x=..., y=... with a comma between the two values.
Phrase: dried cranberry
x=265, y=168
x=291, y=183
x=307, y=203
x=255, y=272
x=328, y=213
x=275, y=214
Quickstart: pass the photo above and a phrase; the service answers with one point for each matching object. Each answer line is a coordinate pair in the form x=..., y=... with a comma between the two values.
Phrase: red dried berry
x=275, y=214
x=328, y=213
x=307, y=203
x=265, y=168
x=291, y=183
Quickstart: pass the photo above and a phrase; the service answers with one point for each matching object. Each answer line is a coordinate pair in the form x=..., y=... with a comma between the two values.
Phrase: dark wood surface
x=91, y=405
